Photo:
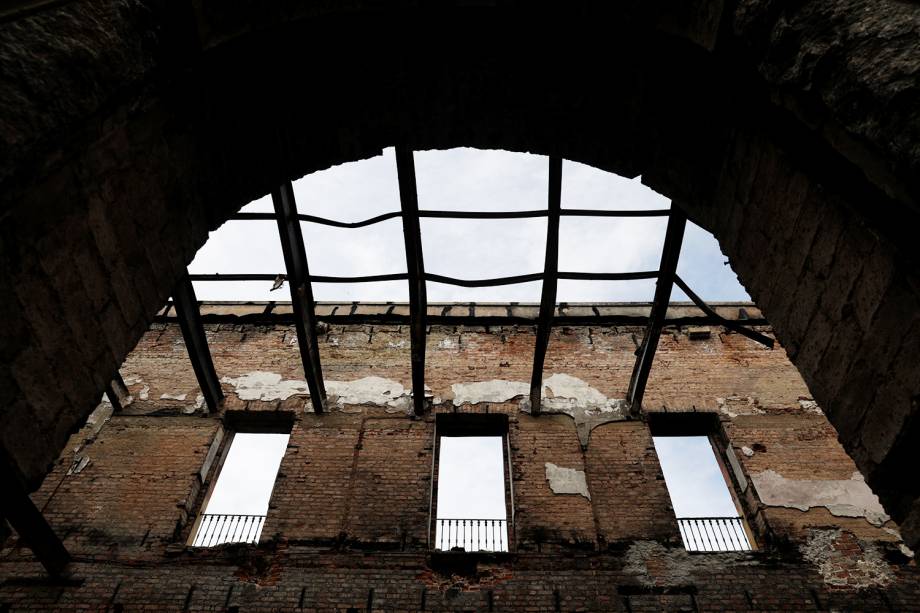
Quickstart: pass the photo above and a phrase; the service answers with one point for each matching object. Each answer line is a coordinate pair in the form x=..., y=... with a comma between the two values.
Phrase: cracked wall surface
x=355, y=482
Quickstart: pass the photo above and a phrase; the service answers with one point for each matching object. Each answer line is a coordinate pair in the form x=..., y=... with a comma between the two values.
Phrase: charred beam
x=298, y=276
x=548, y=295
x=117, y=392
x=27, y=520
x=731, y=325
x=418, y=297
x=196, y=342
x=667, y=271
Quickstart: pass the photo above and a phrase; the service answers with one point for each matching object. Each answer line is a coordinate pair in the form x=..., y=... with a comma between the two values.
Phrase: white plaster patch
x=747, y=451
x=173, y=397
x=866, y=569
x=199, y=401
x=563, y=393
x=447, y=343
x=369, y=390
x=810, y=406
x=144, y=394
x=496, y=390
x=567, y=480
x=262, y=385
x=733, y=406
x=843, y=498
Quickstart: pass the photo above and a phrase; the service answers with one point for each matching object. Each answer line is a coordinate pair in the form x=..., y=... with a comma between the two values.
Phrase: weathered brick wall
x=348, y=519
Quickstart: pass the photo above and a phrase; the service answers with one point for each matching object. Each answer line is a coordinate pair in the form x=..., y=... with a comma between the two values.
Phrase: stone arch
x=139, y=127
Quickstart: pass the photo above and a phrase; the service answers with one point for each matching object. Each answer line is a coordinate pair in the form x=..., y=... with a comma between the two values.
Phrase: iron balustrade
x=219, y=528
x=472, y=534
x=714, y=534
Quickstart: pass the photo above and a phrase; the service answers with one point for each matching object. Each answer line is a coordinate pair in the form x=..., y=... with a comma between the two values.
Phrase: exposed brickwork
x=348, y=519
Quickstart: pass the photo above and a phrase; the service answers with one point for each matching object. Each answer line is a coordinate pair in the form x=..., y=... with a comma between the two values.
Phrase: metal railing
x=218, y=528
x=714, y=534
x=471, y=535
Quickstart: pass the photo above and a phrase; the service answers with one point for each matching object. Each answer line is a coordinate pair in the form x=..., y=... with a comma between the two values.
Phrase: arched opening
x=110, y=197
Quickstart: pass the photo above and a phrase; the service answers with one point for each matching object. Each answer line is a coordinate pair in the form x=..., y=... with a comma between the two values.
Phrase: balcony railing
x=217, y=529
x=714, y=534
x=472, y=535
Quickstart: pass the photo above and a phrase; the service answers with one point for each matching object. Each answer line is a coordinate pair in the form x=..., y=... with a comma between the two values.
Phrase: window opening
x=472, y=500
x=708, y=515
x=237, y=505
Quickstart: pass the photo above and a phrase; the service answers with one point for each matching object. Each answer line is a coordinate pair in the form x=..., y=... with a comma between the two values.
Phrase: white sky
x=465, y=179
x=471, y=478
x=693, y=476
x=247, y=477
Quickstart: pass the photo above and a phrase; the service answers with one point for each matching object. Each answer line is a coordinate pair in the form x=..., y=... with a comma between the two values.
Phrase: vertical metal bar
x=196, y=342
x=706, y=536
x=298, y=274
x=732, y=537
x=550, y=281
x=117, y=392
x=667, y=270
x=415, y=265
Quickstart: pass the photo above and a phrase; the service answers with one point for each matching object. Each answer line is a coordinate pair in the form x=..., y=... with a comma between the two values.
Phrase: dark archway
x=132, y=129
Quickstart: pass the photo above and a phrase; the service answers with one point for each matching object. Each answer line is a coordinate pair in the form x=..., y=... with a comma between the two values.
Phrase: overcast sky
x=466, y=179
x=471, y=469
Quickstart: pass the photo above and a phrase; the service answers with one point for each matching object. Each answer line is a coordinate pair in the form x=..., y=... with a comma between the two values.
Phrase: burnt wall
x=130, y=129
x=348, y=518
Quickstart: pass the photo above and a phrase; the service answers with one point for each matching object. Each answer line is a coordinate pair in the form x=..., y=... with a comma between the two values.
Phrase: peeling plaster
x=144, y=394
x=843, y=498
x=265, y=386
x=866, y=569
x=262, y=385
x=654, y=564
x=567, y=480
x=181, y=397
x=810, y=406
x=733, y=406
x=747, y=451
x=562, y=393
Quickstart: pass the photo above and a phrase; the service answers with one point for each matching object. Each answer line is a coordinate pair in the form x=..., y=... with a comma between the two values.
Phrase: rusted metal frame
x=435, y=278
x=548, y=293
x=298, y=276
x=117, y=392
x=196, y=343
x=731, y=325
x=28, y=522
x=415, y=265
x=667, y=271
x=458, y=215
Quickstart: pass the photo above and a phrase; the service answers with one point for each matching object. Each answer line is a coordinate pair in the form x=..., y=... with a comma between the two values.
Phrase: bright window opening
x=238, y=503
x=707, y=515
x=471, y=513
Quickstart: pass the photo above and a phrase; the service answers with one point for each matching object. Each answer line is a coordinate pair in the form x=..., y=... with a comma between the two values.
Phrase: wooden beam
x=418, y=296
x=28, y=522
x=550, y=281
x=298, y=277
x=667, y=271
x=196, y=342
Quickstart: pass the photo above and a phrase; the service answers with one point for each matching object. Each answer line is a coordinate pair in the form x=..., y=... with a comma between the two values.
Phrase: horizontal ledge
x=459, y=215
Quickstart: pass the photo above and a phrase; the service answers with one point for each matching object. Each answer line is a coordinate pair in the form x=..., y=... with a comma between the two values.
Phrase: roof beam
x=196, y=342
x=298, y=276
x=28, y=522
x=117, y=392
x=731, y=325
x=550, y=281
x=667, y=271
x=415, y=265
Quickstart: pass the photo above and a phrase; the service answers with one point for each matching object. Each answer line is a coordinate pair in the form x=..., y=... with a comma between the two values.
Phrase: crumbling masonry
x=347, y=527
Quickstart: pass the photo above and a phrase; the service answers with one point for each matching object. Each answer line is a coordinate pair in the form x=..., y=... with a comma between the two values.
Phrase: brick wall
x=348, y=519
